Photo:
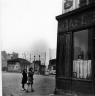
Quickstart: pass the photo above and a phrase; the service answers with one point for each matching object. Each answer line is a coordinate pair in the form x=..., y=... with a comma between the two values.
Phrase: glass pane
x=81, y=62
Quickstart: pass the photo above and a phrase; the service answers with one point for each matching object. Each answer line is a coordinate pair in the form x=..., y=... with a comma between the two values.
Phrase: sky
x=26, y=24
x=29, y=24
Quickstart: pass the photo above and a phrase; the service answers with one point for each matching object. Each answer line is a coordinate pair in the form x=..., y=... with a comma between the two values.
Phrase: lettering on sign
x=74, y=22
x=68, y=4
x=77, y=21
x=63, y=26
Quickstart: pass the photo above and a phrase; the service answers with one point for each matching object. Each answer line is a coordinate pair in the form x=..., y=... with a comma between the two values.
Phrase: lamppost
x=39, y=57
x=39, y=65
x=34, y=63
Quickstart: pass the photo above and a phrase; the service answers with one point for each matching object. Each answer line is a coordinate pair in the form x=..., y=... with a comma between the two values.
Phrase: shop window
x=81, y=58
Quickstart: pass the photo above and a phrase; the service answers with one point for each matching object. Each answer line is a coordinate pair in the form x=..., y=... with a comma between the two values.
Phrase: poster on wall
x=69, y=5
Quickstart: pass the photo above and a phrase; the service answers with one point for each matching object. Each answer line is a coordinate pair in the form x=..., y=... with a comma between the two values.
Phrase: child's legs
x=28, y=86
x=31, y=86
x=23, y=85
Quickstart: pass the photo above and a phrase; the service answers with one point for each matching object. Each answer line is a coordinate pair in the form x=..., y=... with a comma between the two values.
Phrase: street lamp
x=34, y=63
x=34, y=57
x=39, y=65
x=39, y=57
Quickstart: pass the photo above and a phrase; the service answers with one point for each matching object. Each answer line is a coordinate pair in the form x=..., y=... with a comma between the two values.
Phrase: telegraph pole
x=39, y=65
x=30, y=57
x=39, y=57
x=45, y=58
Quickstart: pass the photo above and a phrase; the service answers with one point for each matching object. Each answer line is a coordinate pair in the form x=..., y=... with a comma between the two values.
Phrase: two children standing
x=27, y=78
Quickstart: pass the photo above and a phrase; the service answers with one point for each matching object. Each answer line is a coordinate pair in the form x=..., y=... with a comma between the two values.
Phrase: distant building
x=13, y=56
x=5, y=57
x=52, y=66
x=4, y=60
x=52, y=53
x=17, y=65
x=37, y=65
x=42, y=69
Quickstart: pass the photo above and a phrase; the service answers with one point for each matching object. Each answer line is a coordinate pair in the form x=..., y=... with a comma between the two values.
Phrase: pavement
x=43, y=86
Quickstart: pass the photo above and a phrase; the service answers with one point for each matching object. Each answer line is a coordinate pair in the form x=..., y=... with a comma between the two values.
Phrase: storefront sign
x=77, y=22
x=69, y=5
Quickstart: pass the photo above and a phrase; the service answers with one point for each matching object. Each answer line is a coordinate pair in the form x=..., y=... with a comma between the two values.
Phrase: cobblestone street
x=43, y=85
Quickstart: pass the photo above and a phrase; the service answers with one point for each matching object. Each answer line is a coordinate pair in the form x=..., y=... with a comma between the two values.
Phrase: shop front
x=75, y=68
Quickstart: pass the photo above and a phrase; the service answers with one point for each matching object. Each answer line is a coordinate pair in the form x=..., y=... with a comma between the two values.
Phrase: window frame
x=74, y=73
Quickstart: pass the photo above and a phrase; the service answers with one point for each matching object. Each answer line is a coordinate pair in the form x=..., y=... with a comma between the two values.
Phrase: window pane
x=81, y=62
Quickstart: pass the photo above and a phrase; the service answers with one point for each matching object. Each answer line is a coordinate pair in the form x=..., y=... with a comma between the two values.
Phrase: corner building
x=75, y=62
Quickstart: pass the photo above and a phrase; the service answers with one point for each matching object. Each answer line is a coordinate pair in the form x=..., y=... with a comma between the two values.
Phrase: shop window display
x=81, y=60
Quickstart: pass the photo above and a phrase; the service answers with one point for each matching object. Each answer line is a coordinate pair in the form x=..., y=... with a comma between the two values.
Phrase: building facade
x=42, y=69
x=37, y=66
x=52, y=66
x=4, y=60
x=13, y=55
x=17, y=65
x=5, y=57
x=75, y=67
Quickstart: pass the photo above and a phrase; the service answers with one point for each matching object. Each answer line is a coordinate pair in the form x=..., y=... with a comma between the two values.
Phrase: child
x=24, y=79
x=30, y=79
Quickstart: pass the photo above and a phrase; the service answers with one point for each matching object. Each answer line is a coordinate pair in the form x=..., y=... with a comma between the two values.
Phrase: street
x=43, y=85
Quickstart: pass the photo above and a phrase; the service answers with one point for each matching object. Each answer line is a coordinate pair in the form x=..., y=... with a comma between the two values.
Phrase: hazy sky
x=26, y=23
